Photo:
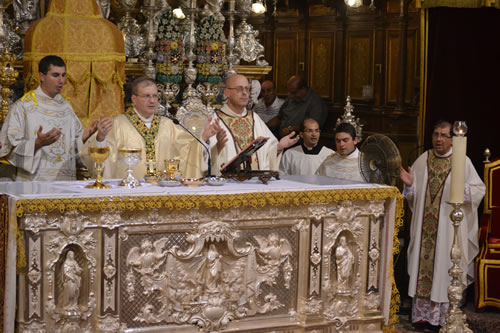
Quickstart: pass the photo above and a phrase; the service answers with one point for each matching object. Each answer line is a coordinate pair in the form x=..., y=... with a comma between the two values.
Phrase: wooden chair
x=487, y=286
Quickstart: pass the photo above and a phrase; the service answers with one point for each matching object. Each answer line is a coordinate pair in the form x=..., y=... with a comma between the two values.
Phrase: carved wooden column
x=379, y=54
x=403, y=24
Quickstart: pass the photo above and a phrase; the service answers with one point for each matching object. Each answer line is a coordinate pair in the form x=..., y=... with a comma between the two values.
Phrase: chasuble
x=241, y=129
x=429, y=195
x=164, y=140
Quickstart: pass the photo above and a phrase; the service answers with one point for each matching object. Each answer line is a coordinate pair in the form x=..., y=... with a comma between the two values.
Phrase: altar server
x=344, y=163
x=305, y=158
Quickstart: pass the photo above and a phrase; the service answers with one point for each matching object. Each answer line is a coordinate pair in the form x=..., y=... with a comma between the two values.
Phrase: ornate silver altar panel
x=312, y=267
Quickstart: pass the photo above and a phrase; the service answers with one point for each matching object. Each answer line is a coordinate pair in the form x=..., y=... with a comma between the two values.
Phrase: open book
x=235, y=164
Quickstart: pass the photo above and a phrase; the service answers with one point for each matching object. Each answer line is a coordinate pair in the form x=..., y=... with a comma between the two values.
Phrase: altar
x=308, y=254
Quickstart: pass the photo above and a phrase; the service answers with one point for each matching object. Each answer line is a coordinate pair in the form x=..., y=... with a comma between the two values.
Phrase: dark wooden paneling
x=359, y=62
x=321, y=64
x=286, y=46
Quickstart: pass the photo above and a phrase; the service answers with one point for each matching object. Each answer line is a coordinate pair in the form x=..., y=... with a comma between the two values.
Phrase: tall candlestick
x=458, y=163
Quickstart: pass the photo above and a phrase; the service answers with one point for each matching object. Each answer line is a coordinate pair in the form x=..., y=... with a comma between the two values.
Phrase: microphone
x=177, y=122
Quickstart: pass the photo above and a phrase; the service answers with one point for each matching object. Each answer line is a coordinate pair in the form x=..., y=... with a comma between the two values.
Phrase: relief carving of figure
x=273, y=251
x=212, y=271
x=72, y=282
x=345, y=262
x=147, y=260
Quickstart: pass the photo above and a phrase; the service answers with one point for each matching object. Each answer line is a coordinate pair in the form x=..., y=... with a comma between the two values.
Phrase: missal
x=244, y=155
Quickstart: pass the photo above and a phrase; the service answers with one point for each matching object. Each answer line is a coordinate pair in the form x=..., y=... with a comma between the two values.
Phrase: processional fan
x=379, y=160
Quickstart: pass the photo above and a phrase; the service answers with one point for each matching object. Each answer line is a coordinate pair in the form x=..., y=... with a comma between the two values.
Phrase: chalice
x=98, y=155
x=171, y=166
x=130, y=157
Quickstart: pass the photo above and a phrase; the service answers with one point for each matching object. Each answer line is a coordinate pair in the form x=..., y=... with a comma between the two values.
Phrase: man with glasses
x=42, y=135
x=241, y=126
x=302, y=102
x=427, y=189
x=305, y=158
x=344, y=164
x=157, y=137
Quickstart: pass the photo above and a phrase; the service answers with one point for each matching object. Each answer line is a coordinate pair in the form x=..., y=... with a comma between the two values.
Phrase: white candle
x=458, y=169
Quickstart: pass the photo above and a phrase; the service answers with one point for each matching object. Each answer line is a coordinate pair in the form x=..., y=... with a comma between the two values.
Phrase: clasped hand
x=102, y=126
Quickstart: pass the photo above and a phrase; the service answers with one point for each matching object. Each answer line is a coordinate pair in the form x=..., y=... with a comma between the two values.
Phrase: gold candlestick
x=8, y=76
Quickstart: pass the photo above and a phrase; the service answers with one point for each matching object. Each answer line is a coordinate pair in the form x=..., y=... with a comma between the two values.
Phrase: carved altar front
x=286, y=257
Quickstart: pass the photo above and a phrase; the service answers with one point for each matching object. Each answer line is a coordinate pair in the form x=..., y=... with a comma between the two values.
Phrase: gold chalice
x=171, y=167
x=130, y=157
x=98, y=155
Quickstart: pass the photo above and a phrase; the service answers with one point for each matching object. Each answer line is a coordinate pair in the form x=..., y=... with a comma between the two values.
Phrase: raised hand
x=46, y=139
x=104, y=125
x=288, y=141
x=406, y=176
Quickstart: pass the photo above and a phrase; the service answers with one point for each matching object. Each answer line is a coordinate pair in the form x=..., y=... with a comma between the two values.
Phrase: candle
x=458, y=169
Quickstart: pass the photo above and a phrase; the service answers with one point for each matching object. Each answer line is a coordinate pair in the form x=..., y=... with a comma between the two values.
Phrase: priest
x=158, y=137
x=305, y=158
x=241, y=126
x=344, y=163
x=427, y=190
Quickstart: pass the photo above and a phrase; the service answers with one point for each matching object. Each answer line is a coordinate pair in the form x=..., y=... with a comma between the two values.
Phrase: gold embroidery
x=242, y=131
x=438, y=170
x=149, y=134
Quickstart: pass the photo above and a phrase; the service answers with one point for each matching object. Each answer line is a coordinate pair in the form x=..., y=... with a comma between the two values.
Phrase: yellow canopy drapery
x=93, y=50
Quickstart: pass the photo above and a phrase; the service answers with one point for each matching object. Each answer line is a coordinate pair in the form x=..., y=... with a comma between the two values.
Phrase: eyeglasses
x=439, y=135
x=312, y=131
x=148, y=97
x=240, y=89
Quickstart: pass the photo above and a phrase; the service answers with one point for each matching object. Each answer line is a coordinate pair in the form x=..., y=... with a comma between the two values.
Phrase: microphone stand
x=177, y=122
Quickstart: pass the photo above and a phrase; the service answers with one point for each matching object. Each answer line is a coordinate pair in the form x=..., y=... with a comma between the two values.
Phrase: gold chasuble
x=148, y=134
x=438, y=169
x=93, y=50
x=242, y=131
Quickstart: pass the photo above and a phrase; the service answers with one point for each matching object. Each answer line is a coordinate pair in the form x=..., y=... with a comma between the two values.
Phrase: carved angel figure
x=345, y=261
x=147, y=259
x=72, y=282
x=273, y=251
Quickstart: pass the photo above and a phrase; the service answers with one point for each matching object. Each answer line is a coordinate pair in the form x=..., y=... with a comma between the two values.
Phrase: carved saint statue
x=72, y=282
x=345, y=261
x=213, y=270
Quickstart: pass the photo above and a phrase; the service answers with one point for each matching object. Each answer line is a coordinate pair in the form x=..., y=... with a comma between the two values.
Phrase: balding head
x=237, y=92
x=297, y=88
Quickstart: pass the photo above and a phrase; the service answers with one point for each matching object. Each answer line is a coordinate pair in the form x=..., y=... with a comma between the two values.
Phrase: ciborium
x=8, y=76
x=130, y=157
x=98, y=155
